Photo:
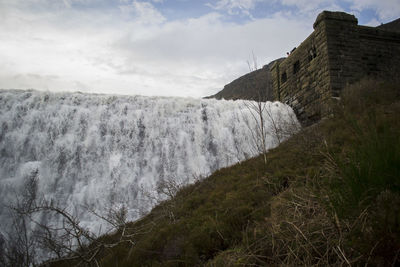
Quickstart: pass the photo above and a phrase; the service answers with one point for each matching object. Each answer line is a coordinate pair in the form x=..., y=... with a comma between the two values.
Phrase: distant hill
x=393, y=26
x=256, y=85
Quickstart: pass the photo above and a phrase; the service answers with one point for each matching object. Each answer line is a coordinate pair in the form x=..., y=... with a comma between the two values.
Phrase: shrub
x=365, y=173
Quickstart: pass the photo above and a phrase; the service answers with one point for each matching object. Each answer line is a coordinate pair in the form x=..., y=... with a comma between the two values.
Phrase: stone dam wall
x=338, y=52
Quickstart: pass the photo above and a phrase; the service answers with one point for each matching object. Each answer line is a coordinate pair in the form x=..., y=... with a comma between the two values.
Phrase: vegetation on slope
x=330, y=195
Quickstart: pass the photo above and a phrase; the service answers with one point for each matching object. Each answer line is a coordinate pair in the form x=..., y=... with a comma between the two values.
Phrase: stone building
x=337, y=53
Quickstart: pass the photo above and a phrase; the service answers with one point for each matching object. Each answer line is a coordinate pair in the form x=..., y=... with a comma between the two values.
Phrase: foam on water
x=102, y=150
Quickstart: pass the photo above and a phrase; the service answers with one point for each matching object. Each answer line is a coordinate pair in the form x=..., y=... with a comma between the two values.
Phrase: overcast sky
x=155, y=47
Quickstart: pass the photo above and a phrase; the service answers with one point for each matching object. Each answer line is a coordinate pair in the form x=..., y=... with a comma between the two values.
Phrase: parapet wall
x=338, y=52
x=379, y=51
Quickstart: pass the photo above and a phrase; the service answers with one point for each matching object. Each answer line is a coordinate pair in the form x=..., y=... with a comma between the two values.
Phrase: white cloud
x=373, y=23
x=235, y=6
x=309, y=9
x=203, y=52
x=308, y=4
x=140, y=53
x=386, y=9
x=143, y=12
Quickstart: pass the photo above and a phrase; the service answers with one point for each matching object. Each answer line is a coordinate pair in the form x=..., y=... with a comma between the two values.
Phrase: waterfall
x=99, y=151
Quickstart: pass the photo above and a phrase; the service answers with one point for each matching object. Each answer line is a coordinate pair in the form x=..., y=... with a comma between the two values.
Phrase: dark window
x=296, y=67
x=312, y=53
x=283, y=77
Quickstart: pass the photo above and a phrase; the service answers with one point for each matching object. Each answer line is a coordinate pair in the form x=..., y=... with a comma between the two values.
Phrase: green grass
x=330, y=195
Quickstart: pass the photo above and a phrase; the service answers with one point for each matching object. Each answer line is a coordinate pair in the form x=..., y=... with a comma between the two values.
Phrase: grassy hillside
x=328, y=196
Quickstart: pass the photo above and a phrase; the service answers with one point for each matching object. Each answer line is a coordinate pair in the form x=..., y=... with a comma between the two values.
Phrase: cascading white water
x=101, y=150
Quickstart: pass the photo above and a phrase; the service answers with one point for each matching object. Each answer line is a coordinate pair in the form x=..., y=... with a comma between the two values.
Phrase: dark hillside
x=330, y=195
x=393, y=26
x=256, y=85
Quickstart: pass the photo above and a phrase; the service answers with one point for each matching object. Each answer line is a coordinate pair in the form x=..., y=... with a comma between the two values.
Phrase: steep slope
x=256, y=85
x=393, y=26
x=328, y=196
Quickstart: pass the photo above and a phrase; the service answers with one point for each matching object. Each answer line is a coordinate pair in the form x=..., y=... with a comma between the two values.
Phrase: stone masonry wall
x=379, y=52
x=337, y=53
x=302, y=79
